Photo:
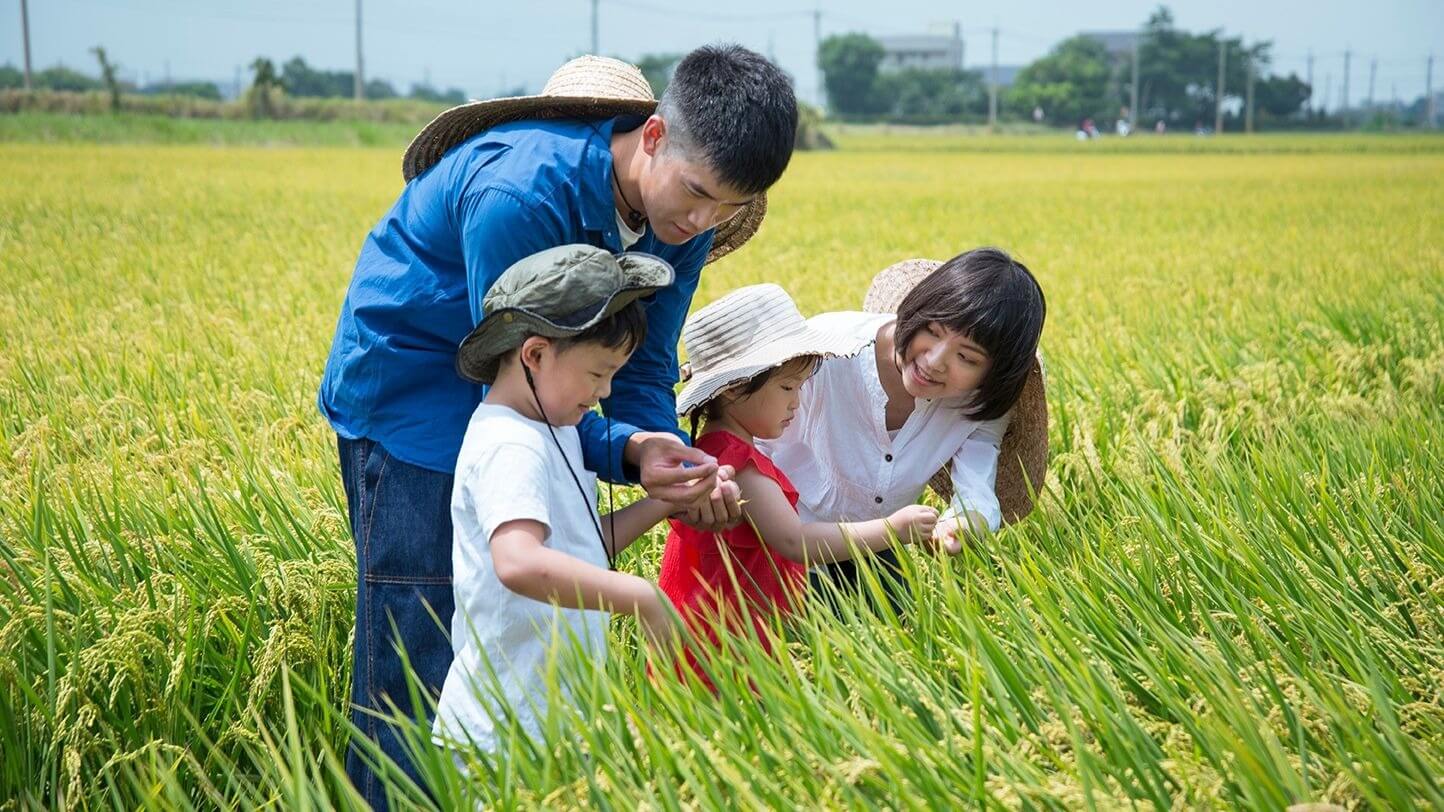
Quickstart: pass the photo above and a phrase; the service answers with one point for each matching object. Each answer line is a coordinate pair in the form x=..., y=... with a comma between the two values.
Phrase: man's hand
x=671, y=471
x=721, y=510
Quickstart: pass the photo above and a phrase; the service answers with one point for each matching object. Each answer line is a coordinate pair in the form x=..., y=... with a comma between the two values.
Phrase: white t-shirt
x=847, y=466
x=510, y=468
x=629, y=237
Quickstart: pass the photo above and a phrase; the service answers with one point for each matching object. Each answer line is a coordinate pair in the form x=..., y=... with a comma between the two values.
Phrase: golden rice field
x=1231, y=597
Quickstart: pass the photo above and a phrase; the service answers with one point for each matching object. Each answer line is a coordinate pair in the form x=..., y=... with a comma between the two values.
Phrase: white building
x=923, y=51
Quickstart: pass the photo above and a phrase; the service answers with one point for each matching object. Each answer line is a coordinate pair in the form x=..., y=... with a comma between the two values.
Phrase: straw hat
x=1023, y=457
x=585, y=87
x=746, y=332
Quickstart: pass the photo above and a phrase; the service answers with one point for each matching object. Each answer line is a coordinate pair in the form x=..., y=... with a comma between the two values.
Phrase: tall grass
x=1232, y=594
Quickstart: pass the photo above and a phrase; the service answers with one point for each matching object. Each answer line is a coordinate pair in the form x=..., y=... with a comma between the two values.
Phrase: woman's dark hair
x=992, y=299
x=711, y=410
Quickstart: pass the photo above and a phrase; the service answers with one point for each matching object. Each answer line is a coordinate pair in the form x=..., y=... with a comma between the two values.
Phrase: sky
x=487, y=48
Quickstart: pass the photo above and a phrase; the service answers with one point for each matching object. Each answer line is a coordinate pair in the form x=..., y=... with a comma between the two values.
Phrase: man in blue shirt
x=588, y=161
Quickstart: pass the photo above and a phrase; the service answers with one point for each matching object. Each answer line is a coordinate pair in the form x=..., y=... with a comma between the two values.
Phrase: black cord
x=591, y=513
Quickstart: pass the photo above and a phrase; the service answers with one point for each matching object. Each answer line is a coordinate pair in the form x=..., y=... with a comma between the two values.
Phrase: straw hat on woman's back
x=1023, y=457
x=586, y=87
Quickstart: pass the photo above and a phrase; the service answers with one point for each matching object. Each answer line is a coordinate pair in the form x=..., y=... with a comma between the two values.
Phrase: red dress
x=695, y=564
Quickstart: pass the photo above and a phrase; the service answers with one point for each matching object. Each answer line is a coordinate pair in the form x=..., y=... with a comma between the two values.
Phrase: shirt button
x=888, y=458
x=877, y=499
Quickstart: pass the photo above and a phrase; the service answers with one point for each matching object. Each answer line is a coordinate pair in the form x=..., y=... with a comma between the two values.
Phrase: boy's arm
x=779, y=527
x=632, y=521
x=526, y=566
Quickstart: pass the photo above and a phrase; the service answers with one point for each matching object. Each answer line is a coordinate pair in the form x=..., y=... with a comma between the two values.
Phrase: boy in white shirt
x=532, y=558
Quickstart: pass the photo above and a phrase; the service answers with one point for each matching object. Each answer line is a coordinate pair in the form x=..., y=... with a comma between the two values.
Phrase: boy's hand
x=914, y=523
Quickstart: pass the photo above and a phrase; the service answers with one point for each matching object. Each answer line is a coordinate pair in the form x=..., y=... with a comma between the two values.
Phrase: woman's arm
x=974, y=506
x=779, y=527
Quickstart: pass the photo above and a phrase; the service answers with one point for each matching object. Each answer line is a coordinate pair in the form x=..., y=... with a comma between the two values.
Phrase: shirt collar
x=599, y=207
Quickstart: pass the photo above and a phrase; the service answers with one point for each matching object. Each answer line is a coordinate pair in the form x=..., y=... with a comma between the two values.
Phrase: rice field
x=1232, y=595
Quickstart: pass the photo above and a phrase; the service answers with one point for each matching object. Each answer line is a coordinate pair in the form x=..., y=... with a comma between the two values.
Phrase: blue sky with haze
x=486, y=47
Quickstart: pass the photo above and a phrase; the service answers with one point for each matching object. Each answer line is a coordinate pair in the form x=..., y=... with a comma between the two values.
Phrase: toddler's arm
x=526, y=566
x=780, y=528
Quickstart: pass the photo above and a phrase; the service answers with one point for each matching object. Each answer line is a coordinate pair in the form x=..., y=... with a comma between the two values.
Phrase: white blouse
x=845, y=467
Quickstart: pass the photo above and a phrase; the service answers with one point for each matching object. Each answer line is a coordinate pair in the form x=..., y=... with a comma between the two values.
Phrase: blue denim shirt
x=425, y=268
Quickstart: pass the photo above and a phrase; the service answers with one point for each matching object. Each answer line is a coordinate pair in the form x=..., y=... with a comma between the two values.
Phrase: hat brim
x=808, y=341
x=459, y=123
x=478, y=359
x=1023, y=454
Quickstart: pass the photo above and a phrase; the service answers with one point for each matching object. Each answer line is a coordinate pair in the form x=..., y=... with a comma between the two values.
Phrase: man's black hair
x=992, y=299
x=735, y=110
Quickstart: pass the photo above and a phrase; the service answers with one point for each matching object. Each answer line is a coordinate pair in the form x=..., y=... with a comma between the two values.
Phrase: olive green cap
x=557, y=293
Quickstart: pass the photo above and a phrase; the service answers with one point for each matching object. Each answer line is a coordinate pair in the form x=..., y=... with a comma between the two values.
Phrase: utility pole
x=25, y=35
x=1344, y=110
x=1133, y=98
x=596, y=43
x=993, y=87
x=1373, y=68
x=360, y=86
x=1218, y=89
x=817, y=57
x=1310, y=102
x=1328, y=91
x=1248, y=104
x=1429, y=94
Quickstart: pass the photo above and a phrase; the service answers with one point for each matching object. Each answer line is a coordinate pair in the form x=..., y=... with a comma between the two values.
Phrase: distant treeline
x=297, y=79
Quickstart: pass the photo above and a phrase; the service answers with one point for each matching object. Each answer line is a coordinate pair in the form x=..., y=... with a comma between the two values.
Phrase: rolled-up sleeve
x=975, y=473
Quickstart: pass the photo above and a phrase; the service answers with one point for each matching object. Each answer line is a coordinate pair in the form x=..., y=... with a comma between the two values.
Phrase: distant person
x=1160, y=127
x=1037, y=114
x=593, y=159
x=1122, y=127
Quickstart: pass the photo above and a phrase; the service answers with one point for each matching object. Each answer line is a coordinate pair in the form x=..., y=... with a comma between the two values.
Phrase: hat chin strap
x=611, y=510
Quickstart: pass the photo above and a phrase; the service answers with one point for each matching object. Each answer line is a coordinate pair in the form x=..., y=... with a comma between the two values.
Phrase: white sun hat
x=745, y=333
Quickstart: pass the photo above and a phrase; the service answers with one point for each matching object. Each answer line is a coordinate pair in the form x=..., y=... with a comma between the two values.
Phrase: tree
x=200, y=90
x=1281, y=96
x=11, y=77
x=265, y=85
x=658, y=70
x=1070, y=83
x=63, y=78
x=107, y=76
x=424, y=92
x=932, y=94
x=380, y=89
x=849, y=65
x=1178, y=71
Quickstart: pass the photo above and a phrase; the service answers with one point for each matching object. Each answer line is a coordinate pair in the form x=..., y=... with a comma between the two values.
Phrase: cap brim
x=808, y=341
x=478, y=358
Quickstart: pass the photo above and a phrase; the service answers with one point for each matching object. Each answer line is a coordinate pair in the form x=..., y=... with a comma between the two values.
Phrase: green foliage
x=107, y=77
x=1280, y=96
x=937, y=95
x=1071, y=82
x=1178, y=72
x=450, y=96
x=199, y=90
x=658, y=70
x=1229, y=597
x=849, y=64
